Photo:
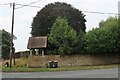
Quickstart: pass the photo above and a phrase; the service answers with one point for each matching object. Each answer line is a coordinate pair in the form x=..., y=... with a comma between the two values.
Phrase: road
x=97, y=73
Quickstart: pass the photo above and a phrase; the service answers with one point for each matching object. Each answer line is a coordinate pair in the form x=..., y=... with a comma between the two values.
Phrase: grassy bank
x=70, y=68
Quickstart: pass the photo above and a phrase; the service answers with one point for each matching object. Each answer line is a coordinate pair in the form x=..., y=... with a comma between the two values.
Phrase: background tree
x=6, y=44
x=104, y=39
x=63, y=36
x=0, y=43
x=45, y=18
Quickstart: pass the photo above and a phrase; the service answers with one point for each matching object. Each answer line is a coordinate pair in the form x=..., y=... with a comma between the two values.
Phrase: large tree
x=45, y=18
x=63, y=36
x=5, y=44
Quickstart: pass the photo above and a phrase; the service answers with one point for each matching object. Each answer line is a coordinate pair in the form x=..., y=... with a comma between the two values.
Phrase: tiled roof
x=37, y=42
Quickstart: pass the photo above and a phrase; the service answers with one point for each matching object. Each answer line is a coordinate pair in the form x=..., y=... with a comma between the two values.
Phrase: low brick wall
x=76, y=60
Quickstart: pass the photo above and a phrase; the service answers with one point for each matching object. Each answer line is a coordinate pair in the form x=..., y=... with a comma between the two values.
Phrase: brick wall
x=76, y=60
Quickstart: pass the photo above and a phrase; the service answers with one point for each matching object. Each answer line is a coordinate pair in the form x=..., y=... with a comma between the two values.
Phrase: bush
x=104, y=39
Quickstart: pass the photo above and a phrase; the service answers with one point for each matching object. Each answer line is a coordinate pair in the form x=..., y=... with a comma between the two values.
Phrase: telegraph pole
x=11, y=39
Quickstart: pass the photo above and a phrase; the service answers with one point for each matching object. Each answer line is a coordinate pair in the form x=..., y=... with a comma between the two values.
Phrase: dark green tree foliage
x=6, y=44
x=104, y=39
x=0, y=43
x=0, y=38
x=45, y=18
x=63, y=36
x=78, y=49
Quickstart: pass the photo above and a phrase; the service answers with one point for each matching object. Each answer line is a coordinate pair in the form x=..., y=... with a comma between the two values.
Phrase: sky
x=24, y=16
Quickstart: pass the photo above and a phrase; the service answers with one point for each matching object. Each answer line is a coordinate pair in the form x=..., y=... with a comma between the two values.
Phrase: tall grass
x=20, y=62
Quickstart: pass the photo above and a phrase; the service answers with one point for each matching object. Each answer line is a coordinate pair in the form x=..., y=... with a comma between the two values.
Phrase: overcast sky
x=24, y=15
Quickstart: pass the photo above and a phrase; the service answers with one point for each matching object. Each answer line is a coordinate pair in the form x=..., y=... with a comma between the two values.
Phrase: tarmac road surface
x=96, y=73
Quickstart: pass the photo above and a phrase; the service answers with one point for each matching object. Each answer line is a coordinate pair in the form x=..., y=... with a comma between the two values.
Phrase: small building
x=37, y=45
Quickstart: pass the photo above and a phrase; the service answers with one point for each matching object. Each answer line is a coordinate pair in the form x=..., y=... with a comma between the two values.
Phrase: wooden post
x=37, y=51
x=31, y=52
x=42, y=52
x=11, y=39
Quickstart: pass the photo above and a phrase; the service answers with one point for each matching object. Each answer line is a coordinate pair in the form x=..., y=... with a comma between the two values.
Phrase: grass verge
x=70, y=68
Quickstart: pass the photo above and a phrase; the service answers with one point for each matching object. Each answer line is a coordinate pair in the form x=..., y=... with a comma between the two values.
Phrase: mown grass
x=70, y=68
